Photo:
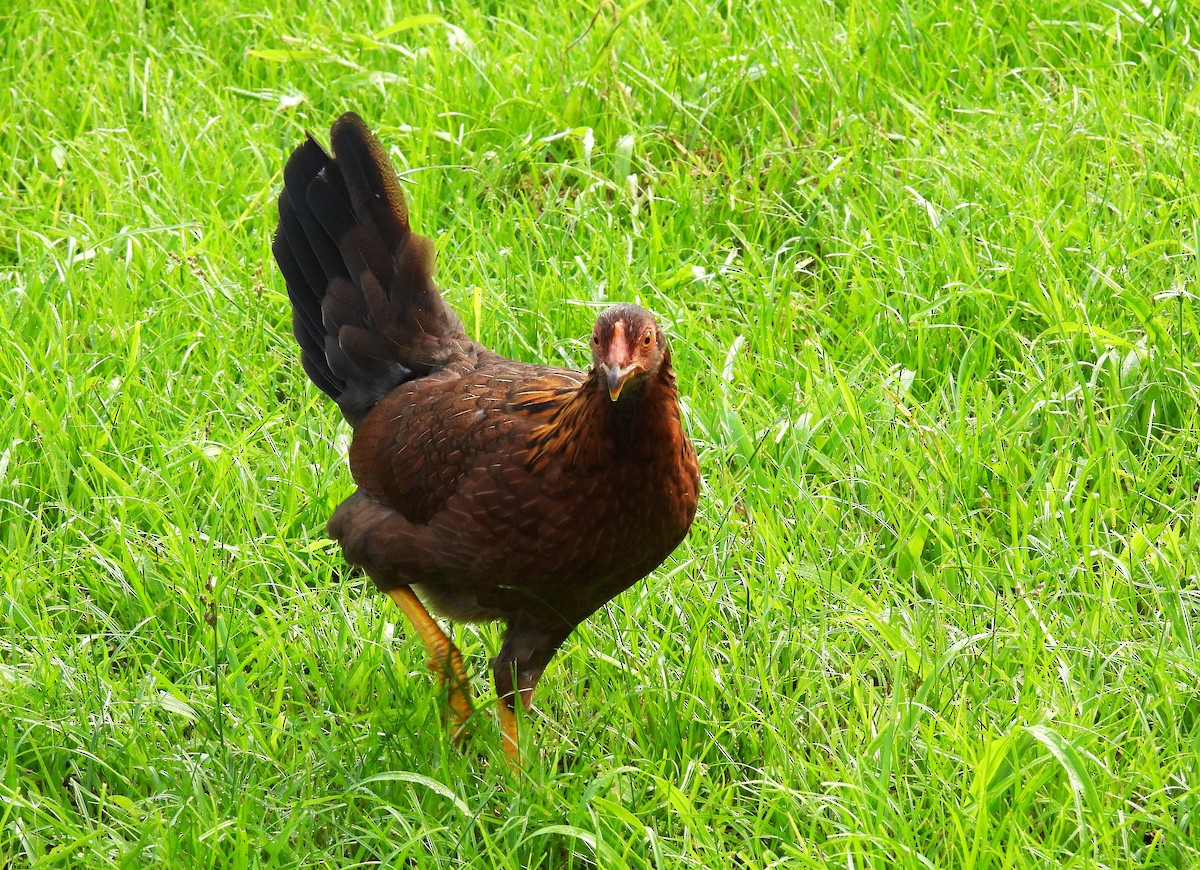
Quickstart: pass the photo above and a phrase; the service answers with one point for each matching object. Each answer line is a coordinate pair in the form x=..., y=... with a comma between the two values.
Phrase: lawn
x=928, y=269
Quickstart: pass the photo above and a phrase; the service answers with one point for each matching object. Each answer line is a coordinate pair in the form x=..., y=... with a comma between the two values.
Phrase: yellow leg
x=444, y=657
x=508, y=731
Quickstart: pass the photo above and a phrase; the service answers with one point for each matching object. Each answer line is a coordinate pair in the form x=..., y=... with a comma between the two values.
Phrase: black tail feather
x=365, y=310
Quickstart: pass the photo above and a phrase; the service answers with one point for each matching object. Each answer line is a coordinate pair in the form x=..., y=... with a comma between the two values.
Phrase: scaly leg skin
x=508, y=732
x=507, y=714
x=444, y=658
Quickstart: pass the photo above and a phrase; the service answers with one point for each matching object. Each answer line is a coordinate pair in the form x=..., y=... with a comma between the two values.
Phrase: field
x=929, y=272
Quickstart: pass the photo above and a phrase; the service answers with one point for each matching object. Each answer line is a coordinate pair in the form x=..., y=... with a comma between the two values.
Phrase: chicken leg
x=516, y=671
x=508, y=730
x=444, y=658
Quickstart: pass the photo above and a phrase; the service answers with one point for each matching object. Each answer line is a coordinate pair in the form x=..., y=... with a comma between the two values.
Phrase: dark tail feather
x=365, y=310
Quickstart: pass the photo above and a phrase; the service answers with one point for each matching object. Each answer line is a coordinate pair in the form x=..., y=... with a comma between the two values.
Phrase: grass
x=929, y=273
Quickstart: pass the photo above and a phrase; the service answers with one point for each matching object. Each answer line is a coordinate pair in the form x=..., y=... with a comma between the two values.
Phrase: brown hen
x=494, y=489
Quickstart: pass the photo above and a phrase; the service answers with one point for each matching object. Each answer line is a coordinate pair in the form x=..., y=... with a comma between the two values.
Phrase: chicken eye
x=648, y=339
x=595, y=339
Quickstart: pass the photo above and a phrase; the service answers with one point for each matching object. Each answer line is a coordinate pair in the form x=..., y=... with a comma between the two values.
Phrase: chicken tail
x=364, y=306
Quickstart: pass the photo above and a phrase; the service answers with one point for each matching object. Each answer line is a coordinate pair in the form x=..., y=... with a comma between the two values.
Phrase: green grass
x=929, y=271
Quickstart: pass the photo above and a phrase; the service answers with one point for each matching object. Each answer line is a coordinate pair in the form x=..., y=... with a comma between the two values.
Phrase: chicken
x=492, y=489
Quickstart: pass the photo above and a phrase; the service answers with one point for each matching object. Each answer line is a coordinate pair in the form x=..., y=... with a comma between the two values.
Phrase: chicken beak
x=618, y=376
